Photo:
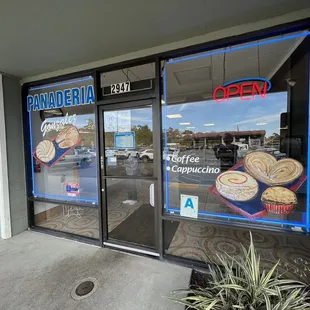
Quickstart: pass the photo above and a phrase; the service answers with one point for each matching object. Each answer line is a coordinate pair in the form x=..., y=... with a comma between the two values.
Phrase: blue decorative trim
x=249, y=79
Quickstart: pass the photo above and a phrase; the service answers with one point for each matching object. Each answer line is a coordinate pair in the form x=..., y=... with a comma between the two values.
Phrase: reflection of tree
x=144, y=135
x=90, y=124
x=184, y=138
x=109, y=139
x=174, y=135
x=187, y=140
x=274, y=139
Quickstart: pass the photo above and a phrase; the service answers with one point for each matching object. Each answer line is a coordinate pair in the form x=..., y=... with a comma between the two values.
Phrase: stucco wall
x=12, y=108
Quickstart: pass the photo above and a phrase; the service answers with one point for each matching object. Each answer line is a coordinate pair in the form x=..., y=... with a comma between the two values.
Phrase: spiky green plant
x=241, y=283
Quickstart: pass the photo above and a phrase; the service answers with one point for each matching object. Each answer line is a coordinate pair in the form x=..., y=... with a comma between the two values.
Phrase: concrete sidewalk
x=38, y=271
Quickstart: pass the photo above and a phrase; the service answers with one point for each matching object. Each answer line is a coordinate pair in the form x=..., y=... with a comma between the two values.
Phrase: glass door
x=127, y=174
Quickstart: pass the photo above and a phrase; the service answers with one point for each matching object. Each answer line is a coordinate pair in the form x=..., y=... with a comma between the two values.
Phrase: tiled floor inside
x=203, y=242
x=85, y=220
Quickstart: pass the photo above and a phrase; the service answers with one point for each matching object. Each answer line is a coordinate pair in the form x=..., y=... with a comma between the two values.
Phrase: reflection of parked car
x=278, y=154
x=173, y=151
x=126, y=153
x=92, y=152
x=147, y=155
x=77, y=157
x=110, y=153
x=134, y=153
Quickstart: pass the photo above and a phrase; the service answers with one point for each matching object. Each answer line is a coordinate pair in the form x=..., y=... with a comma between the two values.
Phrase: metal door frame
x=118, y=244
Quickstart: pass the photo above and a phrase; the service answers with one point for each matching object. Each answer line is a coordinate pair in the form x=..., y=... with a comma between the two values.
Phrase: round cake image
x=45, y=151
x=279, y=200
x=236, y=185
x=265, y=168
x=68, y=137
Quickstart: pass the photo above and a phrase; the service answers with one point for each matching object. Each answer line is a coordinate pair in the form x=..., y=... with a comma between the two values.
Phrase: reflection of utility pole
x=76, y=175
x=63, y=184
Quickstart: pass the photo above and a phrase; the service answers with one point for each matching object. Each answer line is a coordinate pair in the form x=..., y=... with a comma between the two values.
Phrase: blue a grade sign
x=61, y=98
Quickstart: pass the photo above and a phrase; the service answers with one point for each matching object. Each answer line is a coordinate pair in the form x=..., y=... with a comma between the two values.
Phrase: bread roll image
x=68, y=137
x=45, y=151
x=236, y=185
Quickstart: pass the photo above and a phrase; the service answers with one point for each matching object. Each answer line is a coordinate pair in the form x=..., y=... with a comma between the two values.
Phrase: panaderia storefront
x=180, y=155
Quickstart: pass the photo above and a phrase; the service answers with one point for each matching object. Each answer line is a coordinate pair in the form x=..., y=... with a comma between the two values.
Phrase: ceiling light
x=174, y=115
x=208, y=124
x=184, y=123
x=163, y=101
x=261, y=124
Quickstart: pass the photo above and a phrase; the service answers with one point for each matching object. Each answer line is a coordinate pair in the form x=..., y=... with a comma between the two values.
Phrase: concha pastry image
x=279, y=200
x=68, y=137
x=45, y=151
x=236, y=185
x=265, y=168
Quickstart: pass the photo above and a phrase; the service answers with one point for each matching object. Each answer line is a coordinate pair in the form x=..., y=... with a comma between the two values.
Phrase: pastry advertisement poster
x=63, y=139
x=260, y=185
x=60, y=137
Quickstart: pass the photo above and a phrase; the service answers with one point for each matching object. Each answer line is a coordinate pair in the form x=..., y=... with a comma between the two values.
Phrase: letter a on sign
x=189, y=203
x=189, y=206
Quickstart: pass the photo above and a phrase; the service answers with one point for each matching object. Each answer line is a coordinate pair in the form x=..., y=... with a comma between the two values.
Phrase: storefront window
x=83, y=221
x=202, y=242
x=235, y=133
x=63, y=144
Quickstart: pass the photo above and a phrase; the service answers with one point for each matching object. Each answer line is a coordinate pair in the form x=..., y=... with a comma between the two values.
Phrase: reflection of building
x=251, y=137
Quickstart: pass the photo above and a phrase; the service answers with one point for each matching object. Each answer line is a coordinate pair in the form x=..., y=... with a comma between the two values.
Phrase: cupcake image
x=279, y=200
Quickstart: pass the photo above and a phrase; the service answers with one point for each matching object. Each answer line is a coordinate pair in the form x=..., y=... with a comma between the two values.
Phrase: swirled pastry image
x=68, y=137
x=265, y=168
x=279, y=200
x=236, y=185
x=45, y=151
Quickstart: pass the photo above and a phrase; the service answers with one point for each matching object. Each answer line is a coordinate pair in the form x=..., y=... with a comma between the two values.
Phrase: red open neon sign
x=246, y=89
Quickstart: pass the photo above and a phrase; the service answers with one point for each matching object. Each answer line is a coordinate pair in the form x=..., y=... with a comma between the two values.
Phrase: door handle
x=101, y=162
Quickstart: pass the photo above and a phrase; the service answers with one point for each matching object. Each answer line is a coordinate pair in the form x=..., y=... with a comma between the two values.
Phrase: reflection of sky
x=235, y=114
x=230, y=115
x=142, y=117
x=80, y=120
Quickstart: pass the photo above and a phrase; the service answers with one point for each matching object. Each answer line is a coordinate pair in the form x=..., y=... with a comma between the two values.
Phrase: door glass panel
x=130, y=211
x=128, y=141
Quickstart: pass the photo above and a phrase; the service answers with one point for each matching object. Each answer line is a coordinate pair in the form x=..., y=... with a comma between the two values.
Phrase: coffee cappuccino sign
x=187, y=160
